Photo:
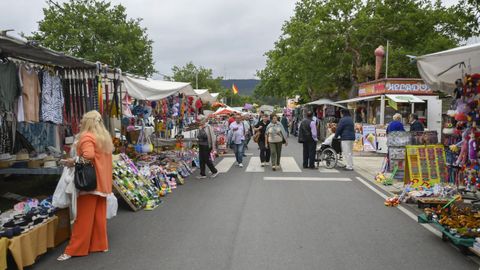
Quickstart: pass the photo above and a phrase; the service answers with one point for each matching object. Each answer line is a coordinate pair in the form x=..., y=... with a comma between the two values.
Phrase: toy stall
x=156, y=151
x=444, y=178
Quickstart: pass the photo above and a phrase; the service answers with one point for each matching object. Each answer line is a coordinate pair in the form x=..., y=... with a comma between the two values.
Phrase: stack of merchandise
x=25, y=216
x=463, y=135
x=138, y=192
x=396, y=151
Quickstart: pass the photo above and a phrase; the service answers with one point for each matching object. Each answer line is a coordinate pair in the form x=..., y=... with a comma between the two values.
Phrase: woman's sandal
x=63, y=257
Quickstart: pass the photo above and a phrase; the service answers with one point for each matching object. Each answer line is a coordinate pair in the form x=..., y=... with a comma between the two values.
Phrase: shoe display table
x=31, y=171
x=26, y=247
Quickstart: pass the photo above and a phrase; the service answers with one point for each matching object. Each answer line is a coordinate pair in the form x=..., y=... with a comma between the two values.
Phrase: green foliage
x=326, y=42
x=190, y=73
x=98, y=31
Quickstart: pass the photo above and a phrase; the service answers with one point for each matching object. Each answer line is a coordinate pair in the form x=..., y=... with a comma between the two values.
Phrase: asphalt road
x=241, y=221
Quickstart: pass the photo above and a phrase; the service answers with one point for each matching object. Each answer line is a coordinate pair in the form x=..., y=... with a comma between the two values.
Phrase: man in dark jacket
x=415, y=125
x=346, y=132
x=307, y=134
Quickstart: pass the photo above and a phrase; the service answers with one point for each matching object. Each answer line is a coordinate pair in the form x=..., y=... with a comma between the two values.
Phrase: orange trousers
x=90, y=228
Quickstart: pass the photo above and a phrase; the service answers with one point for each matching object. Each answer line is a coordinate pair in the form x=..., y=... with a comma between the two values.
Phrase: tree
x=193, y=74
x=326, y=45
x=98, y=31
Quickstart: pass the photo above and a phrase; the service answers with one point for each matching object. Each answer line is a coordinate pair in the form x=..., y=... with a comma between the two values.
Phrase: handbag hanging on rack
x=85, y=175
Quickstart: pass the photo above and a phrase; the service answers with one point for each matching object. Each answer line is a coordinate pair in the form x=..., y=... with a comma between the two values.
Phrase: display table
x=29, y=171
x=3, y=253
x=26, y=247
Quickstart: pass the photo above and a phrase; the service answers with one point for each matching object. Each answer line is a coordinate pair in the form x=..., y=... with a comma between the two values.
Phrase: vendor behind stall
x=415, y=124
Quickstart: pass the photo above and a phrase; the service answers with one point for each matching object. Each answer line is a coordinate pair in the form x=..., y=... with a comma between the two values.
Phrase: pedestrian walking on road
x=261, y=127
x=415, y=125
x=248, y=132
x=237, y=138
x=90, y=228
x=206, y=144
x=275, y=136
x=307, y=134
x=346, y=132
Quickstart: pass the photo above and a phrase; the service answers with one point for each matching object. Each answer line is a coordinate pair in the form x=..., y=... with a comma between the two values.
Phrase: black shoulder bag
x=85, y=175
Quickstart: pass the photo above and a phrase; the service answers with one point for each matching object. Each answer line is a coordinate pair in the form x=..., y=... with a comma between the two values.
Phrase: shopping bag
x=112, y=206
x=60, y=197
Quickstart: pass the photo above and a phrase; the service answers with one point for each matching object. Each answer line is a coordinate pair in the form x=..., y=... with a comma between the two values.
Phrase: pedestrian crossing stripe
x=233, y=155
x=225, y=164
x=293, y=178
x=326, y=170
x=287, y=165
x=254, y=165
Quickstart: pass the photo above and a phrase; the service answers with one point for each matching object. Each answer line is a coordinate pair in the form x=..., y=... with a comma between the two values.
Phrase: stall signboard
x=382, y=146
x=369, y=138
x=358, y=143
x=394, y=86
x=425, y=165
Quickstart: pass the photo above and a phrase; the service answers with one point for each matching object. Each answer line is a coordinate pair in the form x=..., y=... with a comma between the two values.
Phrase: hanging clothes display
x=9, y=85
x=52, y=99
x=30, y=85
x=6, y=137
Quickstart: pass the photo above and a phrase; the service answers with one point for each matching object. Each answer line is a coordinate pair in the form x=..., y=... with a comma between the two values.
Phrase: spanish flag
x=234, y=89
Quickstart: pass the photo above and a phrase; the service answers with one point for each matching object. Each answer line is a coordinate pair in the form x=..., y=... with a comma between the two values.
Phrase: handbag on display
x=85, y=175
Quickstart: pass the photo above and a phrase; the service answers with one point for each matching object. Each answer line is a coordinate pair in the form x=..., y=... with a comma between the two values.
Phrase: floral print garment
x=52, y=99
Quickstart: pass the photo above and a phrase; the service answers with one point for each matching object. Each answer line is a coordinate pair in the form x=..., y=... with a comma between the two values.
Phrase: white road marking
x=401, y=208
x=326, y=170
x=225, y=165
x=233, y=154
x=254, y=165
x=334, y=179
x=288, y=164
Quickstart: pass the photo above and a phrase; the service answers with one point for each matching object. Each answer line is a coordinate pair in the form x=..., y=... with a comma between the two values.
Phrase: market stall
x=445, y=178
x=379, y=100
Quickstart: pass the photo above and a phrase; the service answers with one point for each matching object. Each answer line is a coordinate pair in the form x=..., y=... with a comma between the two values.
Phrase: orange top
x=87, y=149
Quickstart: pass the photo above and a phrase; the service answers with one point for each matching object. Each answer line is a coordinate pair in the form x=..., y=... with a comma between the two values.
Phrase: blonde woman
x=90, y=228
x=396, y=124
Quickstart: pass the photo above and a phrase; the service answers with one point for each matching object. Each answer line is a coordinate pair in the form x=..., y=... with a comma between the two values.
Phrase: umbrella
x=248, y=106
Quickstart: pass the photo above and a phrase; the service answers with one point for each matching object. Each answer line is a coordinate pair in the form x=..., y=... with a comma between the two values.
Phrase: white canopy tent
x=440, y=70
x=205, y=95
x=325, y=101
x=149, y=89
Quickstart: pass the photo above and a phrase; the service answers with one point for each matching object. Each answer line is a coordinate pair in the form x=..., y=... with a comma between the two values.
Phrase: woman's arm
x=87, y=147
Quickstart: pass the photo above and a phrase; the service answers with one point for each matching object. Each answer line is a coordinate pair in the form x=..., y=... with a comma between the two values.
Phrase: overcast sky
x=229, y=36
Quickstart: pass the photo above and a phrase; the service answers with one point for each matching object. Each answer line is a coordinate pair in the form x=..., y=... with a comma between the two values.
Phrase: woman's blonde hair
x=92, y=122
x=397, y=117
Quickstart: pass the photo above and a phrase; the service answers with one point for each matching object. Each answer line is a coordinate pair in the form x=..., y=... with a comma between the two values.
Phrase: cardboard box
x=63, y=228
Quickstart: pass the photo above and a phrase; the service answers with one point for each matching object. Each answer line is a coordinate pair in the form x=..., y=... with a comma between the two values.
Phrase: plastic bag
x=112, y=206
x=60, y=197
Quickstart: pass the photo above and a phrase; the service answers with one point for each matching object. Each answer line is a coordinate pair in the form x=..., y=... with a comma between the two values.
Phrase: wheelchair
x=330, y=155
